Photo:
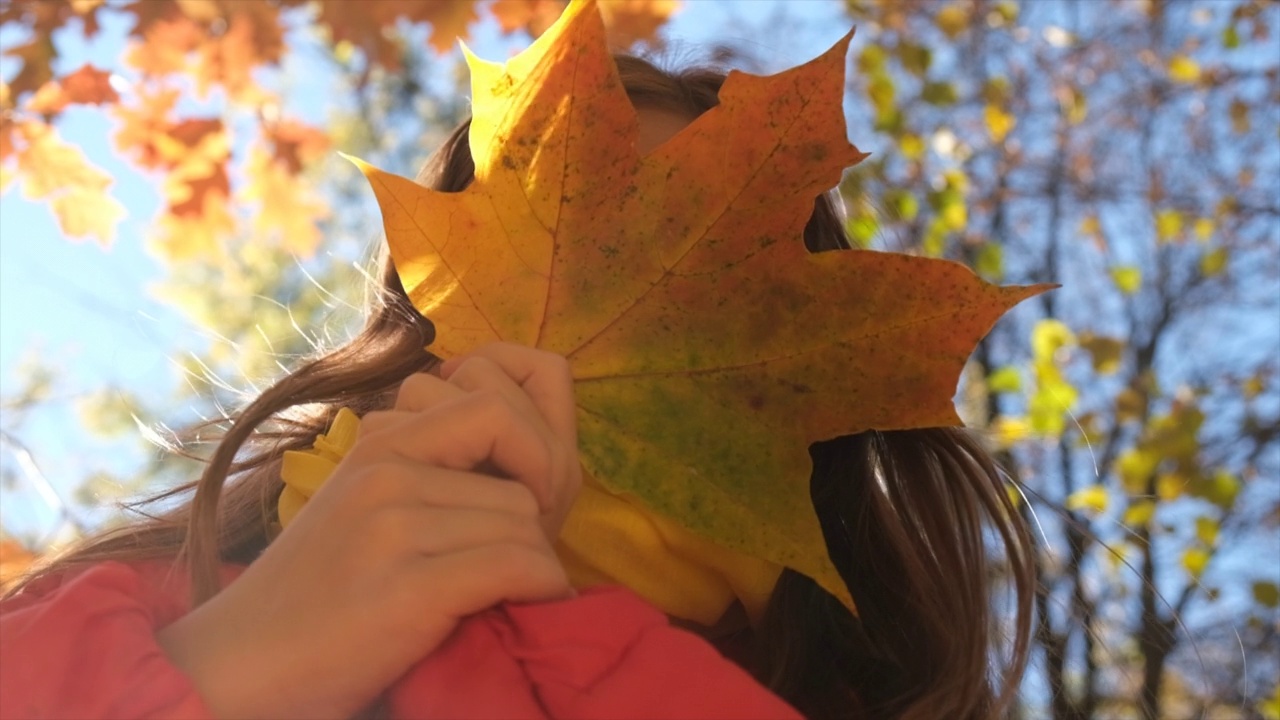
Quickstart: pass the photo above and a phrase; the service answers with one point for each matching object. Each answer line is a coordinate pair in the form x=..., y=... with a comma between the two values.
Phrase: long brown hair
x=905, y=513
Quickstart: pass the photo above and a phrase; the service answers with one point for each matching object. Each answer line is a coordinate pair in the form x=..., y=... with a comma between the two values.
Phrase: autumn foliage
x=215, y=49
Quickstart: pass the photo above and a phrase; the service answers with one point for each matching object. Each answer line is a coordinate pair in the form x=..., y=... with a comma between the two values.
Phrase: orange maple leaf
x=86, y=86
x=709, y=348
x=254, y=37
x=197, y=151
x=164, y=44
x=41, y=18
x=193, y=153
x=295, y=144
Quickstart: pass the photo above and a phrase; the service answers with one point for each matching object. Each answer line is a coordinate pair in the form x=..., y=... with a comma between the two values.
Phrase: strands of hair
x=905, y=514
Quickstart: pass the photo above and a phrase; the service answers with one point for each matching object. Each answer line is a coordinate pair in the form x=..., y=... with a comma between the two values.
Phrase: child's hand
x=446, y=505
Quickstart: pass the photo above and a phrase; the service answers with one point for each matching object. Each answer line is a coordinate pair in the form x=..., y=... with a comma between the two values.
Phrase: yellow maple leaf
x=709, y=348
x=58, y=172
x=200, y=234
x=288, y=211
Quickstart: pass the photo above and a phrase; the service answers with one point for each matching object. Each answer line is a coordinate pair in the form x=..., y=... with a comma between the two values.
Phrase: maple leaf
x=295, y=144
x=57, y=171
x=254, y=37
x=709, y=348
x=287, y=209
x=197, y=150
x=89, y=86
x=37, y=58
x=164, y=38
x=198, y=234
x=86, y=86
x=142, y=126
x=41, y=18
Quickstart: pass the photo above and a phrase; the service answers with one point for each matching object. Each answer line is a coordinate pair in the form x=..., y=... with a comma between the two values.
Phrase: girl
x=413, y=532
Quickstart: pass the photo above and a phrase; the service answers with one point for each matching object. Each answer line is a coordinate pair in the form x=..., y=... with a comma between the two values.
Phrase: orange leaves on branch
x=198, y=47
x=296, y=145
x=218, y=42
x=41, y=18
x=253, y=37
x=627, y=21
x=709, y=348
x=363, y=24
x=197, y=151
x=86, y=86
x=193, y=154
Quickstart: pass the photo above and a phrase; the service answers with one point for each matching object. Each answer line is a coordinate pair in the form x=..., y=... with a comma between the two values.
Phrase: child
x=412, y=533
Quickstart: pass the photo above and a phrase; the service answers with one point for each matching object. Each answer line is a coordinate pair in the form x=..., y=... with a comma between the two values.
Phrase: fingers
x=544, y=377
x=431, y=531
x=464, y=433
x=421, y=391
x=514, y=573
x=525, y=393
x=395, y=480
x=541, y=380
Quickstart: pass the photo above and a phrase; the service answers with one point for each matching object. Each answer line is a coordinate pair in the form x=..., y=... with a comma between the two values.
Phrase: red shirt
x=83, y=646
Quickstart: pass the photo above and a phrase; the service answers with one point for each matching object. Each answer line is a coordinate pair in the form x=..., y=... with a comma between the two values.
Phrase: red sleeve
x=84, y=647
x=604, y=654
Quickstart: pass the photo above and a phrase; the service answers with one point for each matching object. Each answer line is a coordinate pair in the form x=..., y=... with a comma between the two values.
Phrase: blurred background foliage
x=1128, y=149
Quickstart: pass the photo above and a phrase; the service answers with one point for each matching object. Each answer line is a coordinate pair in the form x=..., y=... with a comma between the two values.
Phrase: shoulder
x=81, y=643
x=159, y=585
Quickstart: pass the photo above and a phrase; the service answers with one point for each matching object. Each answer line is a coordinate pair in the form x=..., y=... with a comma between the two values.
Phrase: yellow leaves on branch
x=55, y=171
x=709, y=348
x=286, y=210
